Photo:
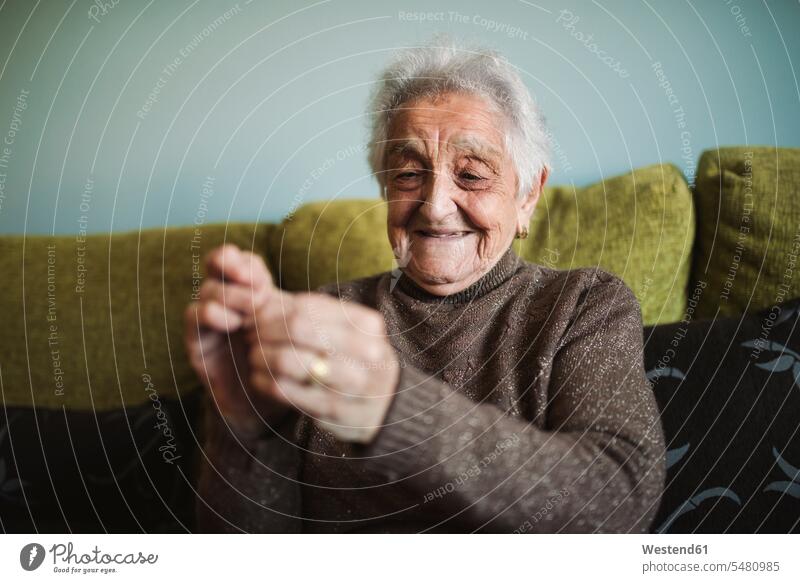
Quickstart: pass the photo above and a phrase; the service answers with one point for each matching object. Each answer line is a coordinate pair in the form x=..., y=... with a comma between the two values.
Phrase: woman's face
x=452, y=191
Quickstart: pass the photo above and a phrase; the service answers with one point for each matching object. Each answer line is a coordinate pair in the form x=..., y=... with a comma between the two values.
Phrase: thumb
x=229, y=263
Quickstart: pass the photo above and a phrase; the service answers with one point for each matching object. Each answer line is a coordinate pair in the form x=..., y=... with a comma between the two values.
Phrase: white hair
x=442, y=67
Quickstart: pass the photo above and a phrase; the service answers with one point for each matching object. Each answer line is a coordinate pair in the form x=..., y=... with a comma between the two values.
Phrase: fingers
x=197, y=342
x=324, y=324
x=212, y=315
x=192, y=337
x=276, y=303
x=294, y=363
x=229, y=263
x=239, y=299
x=239, y=283
x=191, y=330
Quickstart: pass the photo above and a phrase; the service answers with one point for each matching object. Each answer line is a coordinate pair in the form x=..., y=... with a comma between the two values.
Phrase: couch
x=100, y=431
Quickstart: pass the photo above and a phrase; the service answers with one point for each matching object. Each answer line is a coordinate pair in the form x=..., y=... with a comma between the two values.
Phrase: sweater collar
x=499, y=273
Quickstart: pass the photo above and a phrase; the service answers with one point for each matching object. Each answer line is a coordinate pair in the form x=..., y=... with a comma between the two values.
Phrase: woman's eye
x=407, y=176
x=470, y=177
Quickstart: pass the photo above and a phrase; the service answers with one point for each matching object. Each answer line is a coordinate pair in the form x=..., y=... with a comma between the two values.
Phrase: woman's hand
x=253, y=347
x=300, y=333
x=237, y=286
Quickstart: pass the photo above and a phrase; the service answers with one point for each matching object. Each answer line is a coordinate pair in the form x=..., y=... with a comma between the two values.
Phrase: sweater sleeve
x=597, y=466
x=249, y=485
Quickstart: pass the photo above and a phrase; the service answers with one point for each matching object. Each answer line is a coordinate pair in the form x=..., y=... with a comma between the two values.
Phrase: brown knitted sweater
x=522, y=406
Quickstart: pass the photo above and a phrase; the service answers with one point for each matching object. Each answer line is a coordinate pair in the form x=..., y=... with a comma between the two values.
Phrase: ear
x=528, y=204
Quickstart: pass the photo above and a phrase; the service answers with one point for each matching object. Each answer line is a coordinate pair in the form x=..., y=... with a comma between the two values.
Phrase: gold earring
x=523, y=234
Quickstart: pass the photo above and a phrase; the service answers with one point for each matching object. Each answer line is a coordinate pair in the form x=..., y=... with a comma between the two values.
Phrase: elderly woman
x=476, y=392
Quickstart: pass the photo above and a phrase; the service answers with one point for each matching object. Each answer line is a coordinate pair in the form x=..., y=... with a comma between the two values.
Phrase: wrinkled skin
x=451, y=189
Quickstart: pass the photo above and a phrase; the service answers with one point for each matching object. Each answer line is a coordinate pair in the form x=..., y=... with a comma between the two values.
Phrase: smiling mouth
x=443, y=234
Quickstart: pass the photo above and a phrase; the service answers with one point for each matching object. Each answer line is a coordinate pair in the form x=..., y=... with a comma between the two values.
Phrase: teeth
x=443, y=235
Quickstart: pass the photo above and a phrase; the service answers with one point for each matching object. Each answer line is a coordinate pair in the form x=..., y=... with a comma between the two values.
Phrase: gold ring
x=318, y=371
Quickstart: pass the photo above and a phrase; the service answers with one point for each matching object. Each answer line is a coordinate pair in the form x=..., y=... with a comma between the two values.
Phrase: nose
x=438, y=199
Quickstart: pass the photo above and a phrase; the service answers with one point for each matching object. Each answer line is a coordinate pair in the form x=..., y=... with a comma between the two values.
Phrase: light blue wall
x=267, y=108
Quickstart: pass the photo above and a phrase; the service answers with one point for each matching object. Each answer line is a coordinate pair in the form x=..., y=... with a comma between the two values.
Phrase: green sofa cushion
x=639, y=226
x=333, y=240
x=748, y=236
x=90, y=347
